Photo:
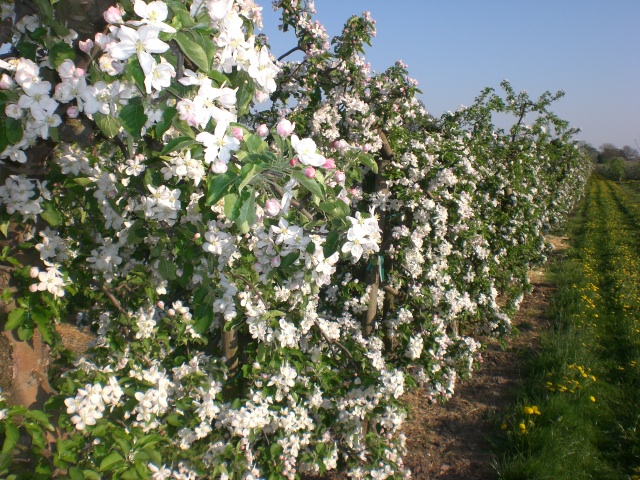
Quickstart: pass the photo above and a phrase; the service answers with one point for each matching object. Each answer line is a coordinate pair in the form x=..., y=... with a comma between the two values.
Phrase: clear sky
x=455, y=48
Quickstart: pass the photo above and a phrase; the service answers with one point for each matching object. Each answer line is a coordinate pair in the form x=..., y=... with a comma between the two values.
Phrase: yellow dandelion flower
x=592, y=398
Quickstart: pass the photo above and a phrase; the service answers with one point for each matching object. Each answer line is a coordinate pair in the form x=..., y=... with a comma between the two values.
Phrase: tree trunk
x=24, y=366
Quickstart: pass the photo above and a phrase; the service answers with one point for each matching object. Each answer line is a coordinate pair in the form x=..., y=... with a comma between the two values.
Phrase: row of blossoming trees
x=264, y=283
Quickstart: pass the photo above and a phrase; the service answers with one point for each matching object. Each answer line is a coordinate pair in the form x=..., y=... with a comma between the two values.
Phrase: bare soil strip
x=451, y=441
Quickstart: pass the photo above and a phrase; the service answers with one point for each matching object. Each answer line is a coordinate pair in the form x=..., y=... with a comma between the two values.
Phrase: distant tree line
x=614, y=162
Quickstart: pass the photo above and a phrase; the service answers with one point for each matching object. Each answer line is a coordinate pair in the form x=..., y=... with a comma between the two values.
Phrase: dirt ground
x=451, y=441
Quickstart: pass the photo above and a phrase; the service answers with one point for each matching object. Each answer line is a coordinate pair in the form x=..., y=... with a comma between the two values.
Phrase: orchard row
x=265, y=280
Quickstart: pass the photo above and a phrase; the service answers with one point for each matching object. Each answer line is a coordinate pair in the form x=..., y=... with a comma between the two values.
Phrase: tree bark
x=27, y=365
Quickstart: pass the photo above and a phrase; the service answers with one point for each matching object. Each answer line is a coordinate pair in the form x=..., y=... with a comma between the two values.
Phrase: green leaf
x=43, y=320
x=231, y=206
x=27, y=49
x=54, y=134
x=133, y=118
x=369, y=161
x=13, y=130
x=110, y=461
x=245, y=93
x=41, y=418
x=167, y=269
x=275, y=449
x=4, y=228
x=154, y=455
x=164, y=124
x=25, y=333
x=82, y=181
x=193, y=51
x=50, y=214
x=247, y=173
x=336, y=208
x=290, y=259
x=183, y=127
x=254, y=143
x=134, y=73
x=184, y=18
x=219, y=187
x=60, y=52
x=207, y=44
x=46, y=7
x=310, y=184
x=75, y=473
x=91, y=475
x=332, y=244
x=137, y=233
x=11, y=434
x=247, y=211
x=202, y=321
x=108, y=124
x=37, y=437
x=219, y=77
x=17, y=316
x=131, y=474
x=177, y=144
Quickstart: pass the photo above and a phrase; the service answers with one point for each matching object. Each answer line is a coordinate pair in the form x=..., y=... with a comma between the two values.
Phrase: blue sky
x=455, y=48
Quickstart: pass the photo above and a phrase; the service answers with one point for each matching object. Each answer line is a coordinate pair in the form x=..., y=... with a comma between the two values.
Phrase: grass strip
x=577, y=415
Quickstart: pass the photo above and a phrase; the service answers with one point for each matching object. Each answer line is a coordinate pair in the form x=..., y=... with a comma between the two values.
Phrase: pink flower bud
x=33, y=288
x=261, y=96
x=309, y=172
x=272, y=207
x=102, y=40
x=219, y=167
x=237, y=133
x=367, y=147
x=34, y=272
x=262, y=131
x=275, y=262
x=293, y=162
x=113, y=15
x=79, y=73
x=196, y=236
x=341, y=145
x=6, y=82
x=339, y=176
x=285, y=128
x=73, y=112
x=329, y=163
x=160, y=304
x=86, y=45
x=171, y=312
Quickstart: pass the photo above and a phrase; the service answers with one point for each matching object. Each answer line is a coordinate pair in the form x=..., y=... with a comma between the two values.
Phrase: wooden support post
x=372, y=277
x=230, y=353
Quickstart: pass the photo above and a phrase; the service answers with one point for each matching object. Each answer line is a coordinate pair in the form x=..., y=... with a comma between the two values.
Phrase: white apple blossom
x=142, y=42
x=153, y=14
x=307, y=151
x=158, y=76
x=218, y=146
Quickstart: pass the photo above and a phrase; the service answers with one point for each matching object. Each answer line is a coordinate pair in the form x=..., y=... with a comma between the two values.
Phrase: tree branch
x=296, y=204
x=114, y=301
x=286, y=54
